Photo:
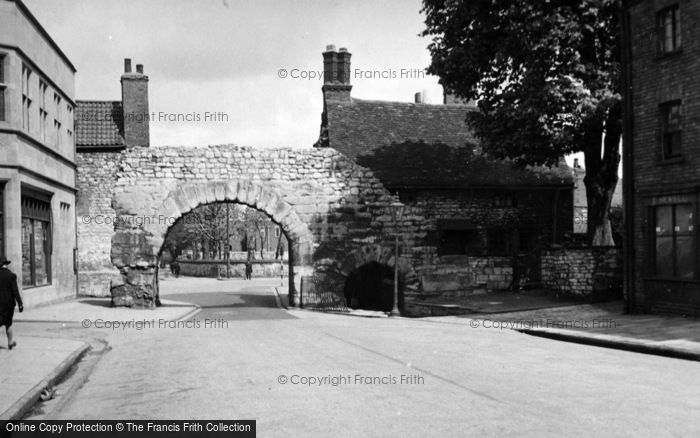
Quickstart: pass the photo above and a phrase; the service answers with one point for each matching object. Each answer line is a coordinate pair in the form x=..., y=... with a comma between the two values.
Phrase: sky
x=225, y=56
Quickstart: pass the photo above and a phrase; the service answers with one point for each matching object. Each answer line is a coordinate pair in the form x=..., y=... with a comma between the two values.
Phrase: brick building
x=103, y=130
x=664, y=156
x=480, y=212
x=37, y=158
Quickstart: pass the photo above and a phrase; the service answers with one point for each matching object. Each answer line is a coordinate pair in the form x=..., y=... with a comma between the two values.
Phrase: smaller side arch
x=382, y=255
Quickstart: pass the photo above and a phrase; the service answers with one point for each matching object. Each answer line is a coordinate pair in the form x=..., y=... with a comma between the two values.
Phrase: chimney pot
x=418, y=97
x=342, y=49
x=127, y=65
x=139, y=68
x=336, y=74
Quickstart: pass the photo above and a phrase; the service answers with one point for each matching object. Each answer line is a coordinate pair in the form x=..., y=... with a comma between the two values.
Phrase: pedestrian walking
x=281, y=273
x=248, y=269
x=9, y=297
x=175, y=267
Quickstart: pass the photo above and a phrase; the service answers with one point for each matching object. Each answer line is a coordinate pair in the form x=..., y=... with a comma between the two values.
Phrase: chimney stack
x=344, y=66
x=135, y=106
x=418, y=98
x=336, y=74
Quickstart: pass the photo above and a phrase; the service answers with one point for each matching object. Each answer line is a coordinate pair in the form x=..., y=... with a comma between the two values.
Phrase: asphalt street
x=302, y=373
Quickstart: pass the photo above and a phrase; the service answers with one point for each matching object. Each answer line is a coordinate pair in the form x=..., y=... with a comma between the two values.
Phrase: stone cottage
x=485, y=218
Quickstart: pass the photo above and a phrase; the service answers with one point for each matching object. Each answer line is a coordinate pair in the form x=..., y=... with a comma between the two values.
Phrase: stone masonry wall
x=96, y=178
x=217, y=268
x=329, y=207
x=588, y=273
x=531, y=210
x=461, y=275
x=326, y=204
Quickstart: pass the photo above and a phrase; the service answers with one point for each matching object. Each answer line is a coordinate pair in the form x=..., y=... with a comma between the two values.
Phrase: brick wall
x=658, y=79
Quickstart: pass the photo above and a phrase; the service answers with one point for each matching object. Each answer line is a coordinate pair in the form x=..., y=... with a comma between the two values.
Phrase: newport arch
x=140, y=234
x=327, y=206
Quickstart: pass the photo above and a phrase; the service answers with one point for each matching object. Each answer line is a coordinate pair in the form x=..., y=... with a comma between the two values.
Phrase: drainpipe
x=627, y=156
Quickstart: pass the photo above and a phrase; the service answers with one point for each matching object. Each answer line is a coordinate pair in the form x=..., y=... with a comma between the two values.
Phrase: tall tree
x=546, y=74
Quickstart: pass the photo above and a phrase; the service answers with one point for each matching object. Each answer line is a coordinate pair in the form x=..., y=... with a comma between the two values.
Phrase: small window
x=455, y=242
x=669, y=29
x=671, y=125
x=57, y=119
x=26, y=97
x=504, y=200
x=43, y=115
x=69, y=121
x=456, y=236
x=3, y=86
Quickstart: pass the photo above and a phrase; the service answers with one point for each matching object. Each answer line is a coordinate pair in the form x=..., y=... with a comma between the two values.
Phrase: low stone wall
x=461, y=275
x=216, y=268
x=589, y=273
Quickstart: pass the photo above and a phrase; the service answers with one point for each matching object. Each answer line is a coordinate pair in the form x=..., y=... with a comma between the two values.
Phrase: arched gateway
x=328, y=207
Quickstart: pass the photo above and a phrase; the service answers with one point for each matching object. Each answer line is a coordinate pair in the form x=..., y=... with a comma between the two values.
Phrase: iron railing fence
x=320, y=292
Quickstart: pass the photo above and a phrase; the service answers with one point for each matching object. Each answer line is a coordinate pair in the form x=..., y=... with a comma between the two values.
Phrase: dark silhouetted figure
x=9, y=297
x=175, y=267
x=248, y=269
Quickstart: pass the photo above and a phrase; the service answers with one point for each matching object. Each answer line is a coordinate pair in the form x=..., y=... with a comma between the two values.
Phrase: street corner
x=34, y=364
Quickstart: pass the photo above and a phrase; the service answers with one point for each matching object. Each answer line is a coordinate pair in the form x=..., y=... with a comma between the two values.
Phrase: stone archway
x=382, y=255
x=145, y=220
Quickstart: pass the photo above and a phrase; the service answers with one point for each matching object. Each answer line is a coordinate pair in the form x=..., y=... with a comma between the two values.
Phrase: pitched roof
x=417, y=164
x=421, y=145
x=99, y=124
x=357, y=127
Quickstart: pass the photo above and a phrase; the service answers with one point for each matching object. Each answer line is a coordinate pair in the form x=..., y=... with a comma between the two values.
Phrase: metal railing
x=318, y=292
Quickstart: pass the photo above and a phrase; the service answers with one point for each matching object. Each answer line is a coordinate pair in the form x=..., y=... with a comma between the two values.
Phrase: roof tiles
x=99, y=124
x=422, y=145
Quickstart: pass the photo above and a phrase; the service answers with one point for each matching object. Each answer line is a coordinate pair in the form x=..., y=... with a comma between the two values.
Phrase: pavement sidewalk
x=39, y=362
x=36, y=363
x=603, y=325
x=94, y=309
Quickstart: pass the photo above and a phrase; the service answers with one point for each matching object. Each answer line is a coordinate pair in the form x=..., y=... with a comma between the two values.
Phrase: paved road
x=379, y=376
x=231, y=300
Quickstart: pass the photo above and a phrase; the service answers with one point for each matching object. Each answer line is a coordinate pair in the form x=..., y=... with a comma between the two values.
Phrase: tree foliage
x=546, y=75
x=206, y=227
